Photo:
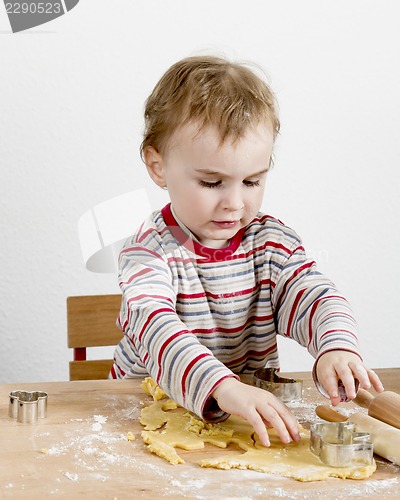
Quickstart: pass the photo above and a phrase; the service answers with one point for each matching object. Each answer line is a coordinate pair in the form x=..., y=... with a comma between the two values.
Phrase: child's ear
x=155, y=165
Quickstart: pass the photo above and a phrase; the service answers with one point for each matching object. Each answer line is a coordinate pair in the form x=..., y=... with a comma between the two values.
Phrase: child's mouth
x=226, y=224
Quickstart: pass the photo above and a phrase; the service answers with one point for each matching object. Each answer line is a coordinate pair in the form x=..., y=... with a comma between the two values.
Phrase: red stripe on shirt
x=337, y=330
x=313, y=309
x=299, y=270
x=189, y=367
x=134, y=299
x=149, y=319
x=163, y=348
x=136, y=275
x=274, y=244
x=239, y=328
x=133, y=248
x=293, y=311
x=248, y=354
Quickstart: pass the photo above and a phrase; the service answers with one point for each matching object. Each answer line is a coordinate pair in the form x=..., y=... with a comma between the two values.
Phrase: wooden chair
x=91, y=322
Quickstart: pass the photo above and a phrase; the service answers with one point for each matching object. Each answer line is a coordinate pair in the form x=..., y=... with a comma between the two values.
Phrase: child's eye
x=251, y=183
x=210, y=184
x=219, y=183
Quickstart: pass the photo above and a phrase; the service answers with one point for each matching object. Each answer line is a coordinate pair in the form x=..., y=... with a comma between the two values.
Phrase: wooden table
x=81, y=450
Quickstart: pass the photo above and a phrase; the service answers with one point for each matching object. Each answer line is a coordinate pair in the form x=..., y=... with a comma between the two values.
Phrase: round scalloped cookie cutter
x=287, y=390
x=26, y=407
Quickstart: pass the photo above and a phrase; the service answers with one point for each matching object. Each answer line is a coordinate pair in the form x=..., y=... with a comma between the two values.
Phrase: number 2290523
x=33, y=8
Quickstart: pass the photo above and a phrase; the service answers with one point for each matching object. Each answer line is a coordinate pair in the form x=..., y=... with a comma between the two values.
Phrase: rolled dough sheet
x=168, y=427
x=294, y=460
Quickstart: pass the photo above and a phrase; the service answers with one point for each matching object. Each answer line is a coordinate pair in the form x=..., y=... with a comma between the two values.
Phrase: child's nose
x=233, y=199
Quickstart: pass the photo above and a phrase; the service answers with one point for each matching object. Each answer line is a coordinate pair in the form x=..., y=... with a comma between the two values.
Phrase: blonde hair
x=207, y=90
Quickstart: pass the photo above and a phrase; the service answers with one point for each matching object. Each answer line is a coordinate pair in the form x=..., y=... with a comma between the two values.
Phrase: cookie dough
x=168, y=427
x=294, y=460
x=152, y=389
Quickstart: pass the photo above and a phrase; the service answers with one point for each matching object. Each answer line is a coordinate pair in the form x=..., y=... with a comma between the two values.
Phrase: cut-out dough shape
x=168, y=426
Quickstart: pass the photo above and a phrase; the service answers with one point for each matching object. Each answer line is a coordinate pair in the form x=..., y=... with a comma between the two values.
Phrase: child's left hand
x=347, y=367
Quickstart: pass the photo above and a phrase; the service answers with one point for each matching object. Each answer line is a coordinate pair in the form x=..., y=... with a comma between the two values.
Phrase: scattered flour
x=304, y=411
x=99, y=420
x=347, y=412
x=90, y=441
x=191, y=484
x=72, y=477
x=57, y=450
x=98, y=453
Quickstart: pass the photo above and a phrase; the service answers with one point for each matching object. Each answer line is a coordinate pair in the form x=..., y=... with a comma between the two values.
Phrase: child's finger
x=330, y=383
x=375, y=381
x=258, y=425
x=281, y=419
x=366, y=377
x=289, y=421
x=360, y=373
x=266, y=413
x=349, y=384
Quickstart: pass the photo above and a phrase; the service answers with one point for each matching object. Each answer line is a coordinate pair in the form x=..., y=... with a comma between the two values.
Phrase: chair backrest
x=91, y=321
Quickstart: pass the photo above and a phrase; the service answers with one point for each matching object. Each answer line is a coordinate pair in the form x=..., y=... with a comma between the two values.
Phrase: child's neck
x=189, y=233
x=184, y=228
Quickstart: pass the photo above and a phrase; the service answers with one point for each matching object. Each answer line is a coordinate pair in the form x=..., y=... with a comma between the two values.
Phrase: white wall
x=71, y=100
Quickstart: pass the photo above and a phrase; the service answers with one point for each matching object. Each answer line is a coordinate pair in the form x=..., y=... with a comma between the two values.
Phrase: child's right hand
x=259, y=407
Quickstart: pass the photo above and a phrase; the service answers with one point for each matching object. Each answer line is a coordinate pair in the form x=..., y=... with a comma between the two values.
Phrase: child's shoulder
x=151, y=229
x=265, y=227
x=152, y=235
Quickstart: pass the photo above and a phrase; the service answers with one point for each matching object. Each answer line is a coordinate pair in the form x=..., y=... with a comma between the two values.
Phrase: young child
x=209, y=282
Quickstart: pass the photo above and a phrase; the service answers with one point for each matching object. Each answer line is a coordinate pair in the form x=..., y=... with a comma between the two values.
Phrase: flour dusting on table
x=105, y=452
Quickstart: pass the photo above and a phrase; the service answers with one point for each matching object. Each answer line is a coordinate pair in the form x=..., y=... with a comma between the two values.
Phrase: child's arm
x=259, y=407
x=156, y=341
x=311, y=310
x=185, y=369
x=347, y=367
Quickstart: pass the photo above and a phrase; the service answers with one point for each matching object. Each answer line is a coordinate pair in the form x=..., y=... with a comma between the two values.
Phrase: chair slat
x=90, y=370
x=91, y=322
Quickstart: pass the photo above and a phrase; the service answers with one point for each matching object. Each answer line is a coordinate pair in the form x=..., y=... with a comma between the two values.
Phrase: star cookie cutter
x=287, y=390
x=338, y=445
x=26, y=407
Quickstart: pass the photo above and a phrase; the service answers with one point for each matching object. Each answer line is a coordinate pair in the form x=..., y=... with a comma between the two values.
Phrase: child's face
x=216, y=189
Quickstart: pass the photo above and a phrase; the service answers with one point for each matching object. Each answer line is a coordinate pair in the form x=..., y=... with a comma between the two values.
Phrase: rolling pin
x=385, y=438
x=384, y=406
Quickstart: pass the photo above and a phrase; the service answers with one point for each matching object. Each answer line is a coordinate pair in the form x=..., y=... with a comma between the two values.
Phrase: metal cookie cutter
x=337, y=445
x=286, y=389
x=27, y=406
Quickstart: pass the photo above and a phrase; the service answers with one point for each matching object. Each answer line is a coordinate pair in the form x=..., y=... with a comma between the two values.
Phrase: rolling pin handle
x=329, y=415
x=363, y=398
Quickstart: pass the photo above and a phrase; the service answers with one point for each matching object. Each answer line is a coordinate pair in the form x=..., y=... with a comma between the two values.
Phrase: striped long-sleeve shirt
x=193, y=315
